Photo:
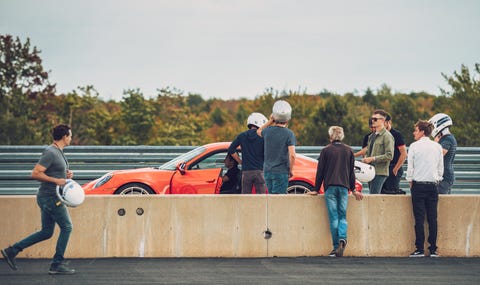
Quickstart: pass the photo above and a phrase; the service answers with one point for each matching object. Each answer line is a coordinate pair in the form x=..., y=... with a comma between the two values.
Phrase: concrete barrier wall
x=234, y=225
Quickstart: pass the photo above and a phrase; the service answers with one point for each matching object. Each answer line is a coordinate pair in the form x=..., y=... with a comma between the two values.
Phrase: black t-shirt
x=365, y=140
x=230, y=186
x=397, y=136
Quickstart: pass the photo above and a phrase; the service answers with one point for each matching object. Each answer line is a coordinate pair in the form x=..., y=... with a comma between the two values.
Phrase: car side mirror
x=181, y=167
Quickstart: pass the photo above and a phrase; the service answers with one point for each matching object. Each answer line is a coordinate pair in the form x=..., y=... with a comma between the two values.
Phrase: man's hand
x=368, y=159
x=358, y=195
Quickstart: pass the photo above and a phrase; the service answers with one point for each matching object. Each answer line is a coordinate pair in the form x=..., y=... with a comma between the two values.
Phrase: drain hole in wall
x=121, y=212
x=267, y=234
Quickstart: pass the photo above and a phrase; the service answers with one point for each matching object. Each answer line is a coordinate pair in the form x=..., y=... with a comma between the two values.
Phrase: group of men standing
x=268, y=151
x=429, y=172
x=268, y=158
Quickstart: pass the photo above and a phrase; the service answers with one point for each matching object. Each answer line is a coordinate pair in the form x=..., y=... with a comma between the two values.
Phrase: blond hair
x=336, y=133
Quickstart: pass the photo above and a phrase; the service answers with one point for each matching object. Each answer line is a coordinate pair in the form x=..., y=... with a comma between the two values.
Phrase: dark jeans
x=51, y=214
x=445, y=187
x=393, y=182
x=425, y=201
x=252, y=178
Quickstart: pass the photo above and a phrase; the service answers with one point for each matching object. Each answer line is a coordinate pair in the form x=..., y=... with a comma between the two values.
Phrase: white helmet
x=440, y=121
x=282, y=111
x=364, y=172
x=71, y=194
x=256, y=119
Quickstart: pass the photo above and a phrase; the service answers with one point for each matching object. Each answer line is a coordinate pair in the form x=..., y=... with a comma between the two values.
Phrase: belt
x=425, y=182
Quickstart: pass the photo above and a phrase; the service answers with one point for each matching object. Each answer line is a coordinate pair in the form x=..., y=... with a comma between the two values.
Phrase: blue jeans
x=277, y=183
x=336, y=198
x=445, y=187
x=51, y=214
x=375, y=186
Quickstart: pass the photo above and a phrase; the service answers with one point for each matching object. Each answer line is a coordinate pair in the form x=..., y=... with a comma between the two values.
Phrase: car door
x=201, y=177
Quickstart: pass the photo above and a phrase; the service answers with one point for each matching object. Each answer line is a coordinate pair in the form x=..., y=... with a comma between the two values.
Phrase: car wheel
x=299, y=187
x=134, y=189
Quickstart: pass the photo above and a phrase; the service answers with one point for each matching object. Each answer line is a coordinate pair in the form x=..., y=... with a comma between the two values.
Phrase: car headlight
x=102, y=180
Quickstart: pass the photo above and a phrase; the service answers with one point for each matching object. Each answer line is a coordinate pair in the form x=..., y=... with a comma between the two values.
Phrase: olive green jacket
x=382, y=151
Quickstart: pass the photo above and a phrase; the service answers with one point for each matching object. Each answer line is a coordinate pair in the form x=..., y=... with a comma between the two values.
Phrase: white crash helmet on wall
x=71, y=194
x=364, y=172
x=256, y=119
x=440, y=121
x=282, y=111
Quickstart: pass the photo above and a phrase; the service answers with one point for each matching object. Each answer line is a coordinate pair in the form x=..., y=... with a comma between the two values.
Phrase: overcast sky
x=233, y=49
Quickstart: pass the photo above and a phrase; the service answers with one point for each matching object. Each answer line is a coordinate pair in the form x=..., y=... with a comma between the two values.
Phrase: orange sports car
x=198, y=171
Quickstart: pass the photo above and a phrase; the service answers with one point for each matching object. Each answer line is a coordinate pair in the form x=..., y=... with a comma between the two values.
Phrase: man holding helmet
x=252, y=154
x=52, y=171
x=441, y=134
x=279, y=148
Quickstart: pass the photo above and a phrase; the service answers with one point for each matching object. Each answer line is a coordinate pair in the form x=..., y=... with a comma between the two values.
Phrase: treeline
x=30, y=107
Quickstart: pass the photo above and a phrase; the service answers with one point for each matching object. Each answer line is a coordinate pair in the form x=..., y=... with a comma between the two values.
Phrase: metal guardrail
x=91, y=162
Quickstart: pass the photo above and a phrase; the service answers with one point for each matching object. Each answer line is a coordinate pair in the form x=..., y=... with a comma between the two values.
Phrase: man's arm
x=38, y=173
x=268, y=123
x=319, y=174
x=291, y=156
x=236, y=157
x=401, y=159
x=361, y=152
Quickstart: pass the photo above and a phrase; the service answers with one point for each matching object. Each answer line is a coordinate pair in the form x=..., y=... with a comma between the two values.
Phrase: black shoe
x=434, y=254
x=341, y=248
x=9, y=256
x=417, y=253
x=332, y=253
x=401, y=192
x=61, y=269
x=388, y=191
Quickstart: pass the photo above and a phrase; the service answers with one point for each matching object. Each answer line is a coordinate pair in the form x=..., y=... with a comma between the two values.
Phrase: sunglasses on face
x=376, y=119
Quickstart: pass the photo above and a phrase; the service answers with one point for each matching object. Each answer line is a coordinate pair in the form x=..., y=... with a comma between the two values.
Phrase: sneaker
x=332, y=253
x=417, y=253
x=61, y=269
x=341, y=248
x=9, y=255
x=434, y=254
x=401, y=192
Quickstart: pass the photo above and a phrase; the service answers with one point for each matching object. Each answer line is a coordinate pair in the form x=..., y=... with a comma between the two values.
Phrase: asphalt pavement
x=232, y=271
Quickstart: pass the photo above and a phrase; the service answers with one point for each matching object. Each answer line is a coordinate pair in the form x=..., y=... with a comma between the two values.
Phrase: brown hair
x=381, y=112
x=424, y=126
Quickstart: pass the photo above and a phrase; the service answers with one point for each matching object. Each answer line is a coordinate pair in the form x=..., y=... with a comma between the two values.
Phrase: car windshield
x=172, y=164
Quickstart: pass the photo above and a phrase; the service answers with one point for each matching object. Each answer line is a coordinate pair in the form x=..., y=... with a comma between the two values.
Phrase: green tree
x=92, y=120
x=465, y=92
x=218, y=117
x=137, y=116
x=24, y=89
x=333, y=112
x=404, y=115
x=369, y=98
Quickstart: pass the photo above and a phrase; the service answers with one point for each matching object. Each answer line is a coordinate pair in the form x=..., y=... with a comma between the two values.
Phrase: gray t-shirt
x=277, y=140
x=54, y=160
x=449, y=143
